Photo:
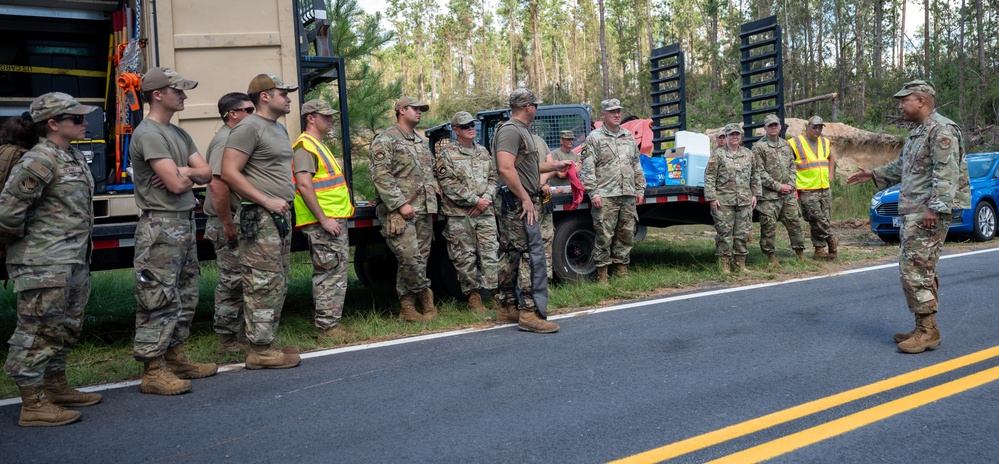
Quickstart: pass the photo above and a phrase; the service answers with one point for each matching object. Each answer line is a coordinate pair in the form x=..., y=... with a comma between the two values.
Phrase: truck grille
x=887, y=209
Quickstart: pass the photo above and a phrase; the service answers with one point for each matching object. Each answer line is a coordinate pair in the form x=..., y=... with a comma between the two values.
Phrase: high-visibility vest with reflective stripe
x=813, y=168
x=328, y=183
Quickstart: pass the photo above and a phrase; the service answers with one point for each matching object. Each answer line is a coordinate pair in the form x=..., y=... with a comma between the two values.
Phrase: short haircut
x=229, y=102
x=255, y=96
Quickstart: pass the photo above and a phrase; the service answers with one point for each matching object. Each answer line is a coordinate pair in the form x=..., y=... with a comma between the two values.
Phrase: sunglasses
x=76, y=118
x=247, y=110
x=465, y=126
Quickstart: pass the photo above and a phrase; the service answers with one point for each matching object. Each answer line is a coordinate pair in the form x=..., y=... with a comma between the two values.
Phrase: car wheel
x=985, y=222
x=572, y=248
x=889, y=238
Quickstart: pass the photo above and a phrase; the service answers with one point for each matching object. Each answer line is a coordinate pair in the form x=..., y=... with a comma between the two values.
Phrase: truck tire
x=375, y=264
x=572, y=248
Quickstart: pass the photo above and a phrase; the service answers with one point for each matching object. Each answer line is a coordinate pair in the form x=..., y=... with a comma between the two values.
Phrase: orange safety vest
x=813, y=168
x=329, y=184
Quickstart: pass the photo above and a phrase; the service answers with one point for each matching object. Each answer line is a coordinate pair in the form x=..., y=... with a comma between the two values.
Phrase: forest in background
x=468, y=54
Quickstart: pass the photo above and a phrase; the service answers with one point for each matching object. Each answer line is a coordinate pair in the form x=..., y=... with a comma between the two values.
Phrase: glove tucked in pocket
x=396, y=224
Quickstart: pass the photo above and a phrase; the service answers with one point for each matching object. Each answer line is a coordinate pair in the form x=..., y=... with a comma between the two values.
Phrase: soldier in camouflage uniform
x=166, y=166
x=256, y=164
x=46, y=219
x=613, y=176
x=547, y=208
x=934, y=182
x=220, y=229
x=467, y=178
x=732, y=185
x=777, y=203
x=521, y=246
x=402, y=170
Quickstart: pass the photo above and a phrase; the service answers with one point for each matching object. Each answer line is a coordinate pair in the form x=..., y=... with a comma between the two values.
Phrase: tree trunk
x=981, y=35
x=513, y=54
x=926, y=39
x=878, y=46
x=901, y=40
x=604, y=71
x=960, y=67
x=859, y=62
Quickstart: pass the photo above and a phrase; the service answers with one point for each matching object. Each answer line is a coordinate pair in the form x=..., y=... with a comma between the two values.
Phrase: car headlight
x=875, y=201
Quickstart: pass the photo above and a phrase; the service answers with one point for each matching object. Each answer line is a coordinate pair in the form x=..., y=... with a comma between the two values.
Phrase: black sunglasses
x=247, y=110
x=76, y=118
x=464, y=126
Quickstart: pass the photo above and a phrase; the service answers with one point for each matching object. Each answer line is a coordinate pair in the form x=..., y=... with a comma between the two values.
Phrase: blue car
x=979, y=222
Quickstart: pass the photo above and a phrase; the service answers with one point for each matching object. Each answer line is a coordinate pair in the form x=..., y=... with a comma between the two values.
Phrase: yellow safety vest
x=328, y=183
x=813, y=168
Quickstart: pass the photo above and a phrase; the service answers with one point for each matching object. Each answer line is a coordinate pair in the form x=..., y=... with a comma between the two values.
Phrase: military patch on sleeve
x=945, y=143
x=28, y=185
x=442, y=170
x=378, y=155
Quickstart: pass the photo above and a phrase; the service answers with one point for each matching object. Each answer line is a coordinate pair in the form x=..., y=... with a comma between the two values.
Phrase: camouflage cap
x=53, y=104
x=461, y=118
x=410, y=101
x=816, y=121
x=158, y=78
x=523, y=97
x=610, y=104
x=567, y=134
x=262, y=82
x=732, y=129
x=916, y=86
x=771, y=119
x=318, y=106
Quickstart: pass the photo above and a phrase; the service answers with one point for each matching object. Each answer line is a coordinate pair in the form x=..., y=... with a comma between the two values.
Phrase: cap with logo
x=268, y=81
x=461, y=118
x=318, y=106
x=916, y=86
x=732, y=129
x=158, y=78
x=771, y=119
x=522, y=97
x=567, y=134
x=610, y=104
x=410, y=101
x=53, y=104
x=815, y=121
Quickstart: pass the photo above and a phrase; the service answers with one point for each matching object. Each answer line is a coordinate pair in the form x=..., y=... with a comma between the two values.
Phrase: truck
x=96, y=49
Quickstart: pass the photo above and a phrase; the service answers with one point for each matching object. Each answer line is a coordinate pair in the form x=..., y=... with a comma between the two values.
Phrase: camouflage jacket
x=402, y=170
x=46, y=208
x=775, y=162
x=611, y=167
x=465, y=174
x=931, y=169
x=731, y=178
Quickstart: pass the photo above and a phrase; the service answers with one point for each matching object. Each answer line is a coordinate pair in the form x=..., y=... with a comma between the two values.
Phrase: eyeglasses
x=247, y=110
x=76, y=118
x=535, y=105
x=464, y=126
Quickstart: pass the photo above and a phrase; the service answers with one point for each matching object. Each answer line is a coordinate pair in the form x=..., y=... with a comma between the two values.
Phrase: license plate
x=896, y=221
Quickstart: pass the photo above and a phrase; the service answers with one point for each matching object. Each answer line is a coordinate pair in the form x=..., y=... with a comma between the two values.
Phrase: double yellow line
x=818, y=433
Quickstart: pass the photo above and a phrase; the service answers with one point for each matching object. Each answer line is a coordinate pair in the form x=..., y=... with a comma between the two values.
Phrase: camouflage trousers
x=264, y=262
x=732, y=225
x=547, y=237
x=411, y=250
x=522, y=278
x=917, y=261
x=816, y=207
x=50, y=302
x=614, y=223
x=229, y=290
x=783, y=210
x=330, y=262
x=166, y=284
x=473, y=246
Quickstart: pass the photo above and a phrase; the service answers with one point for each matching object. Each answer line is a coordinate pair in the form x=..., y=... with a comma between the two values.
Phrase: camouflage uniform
x=402, y=170
x=776, y=165
x=46, y=216
x=612, y=170
x=467, y=174
x=330, y=261
x=229, y=289
x=934, y=177
x=545, y=217
x=732, y=179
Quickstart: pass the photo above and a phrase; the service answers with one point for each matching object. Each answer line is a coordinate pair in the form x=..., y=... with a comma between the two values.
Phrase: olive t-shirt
x=305, y=161
x=214, y=159
x=514, y=137
x=267, y=144
x=150, y=141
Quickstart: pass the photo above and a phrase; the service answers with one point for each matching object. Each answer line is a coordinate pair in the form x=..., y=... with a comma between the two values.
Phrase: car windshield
x=980, y=167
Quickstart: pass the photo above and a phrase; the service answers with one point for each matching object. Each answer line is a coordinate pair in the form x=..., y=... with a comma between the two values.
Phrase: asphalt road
x=759, y=370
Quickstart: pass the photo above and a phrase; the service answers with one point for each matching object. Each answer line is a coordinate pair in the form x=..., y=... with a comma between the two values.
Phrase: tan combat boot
x=799, y=253
x=408, y=309
x=833, y=247
x=270, y=357
x=725, y=264
x=335, y=334
x=506, y=312
x=37, y=411
x=230, y=344
x=602, y=274
x=820, y=253
x=530, y=322
x=620, y=271
x=158, y=379
x=475, y=302
x=740, y=263
x=426, y=297
x=58, y=392
x=772, y=261
x=924, y=337
x=185, y=368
